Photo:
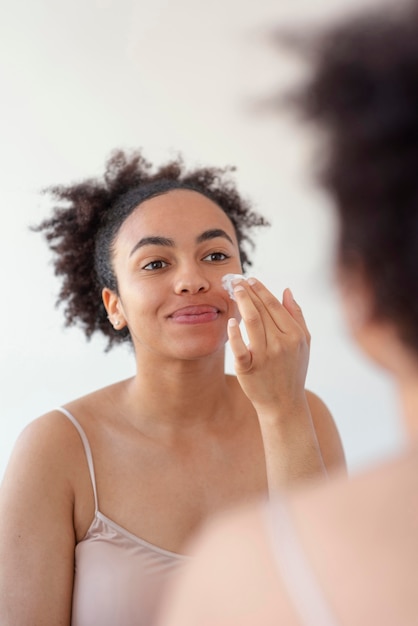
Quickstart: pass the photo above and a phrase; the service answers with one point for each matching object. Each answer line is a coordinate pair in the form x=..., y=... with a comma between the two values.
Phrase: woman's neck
x=186, y=394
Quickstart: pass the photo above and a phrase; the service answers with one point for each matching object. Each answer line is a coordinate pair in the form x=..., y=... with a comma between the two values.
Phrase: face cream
x=227, y=283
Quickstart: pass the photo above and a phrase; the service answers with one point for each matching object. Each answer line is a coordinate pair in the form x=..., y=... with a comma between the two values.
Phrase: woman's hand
x=271, y=370
x=272, y=367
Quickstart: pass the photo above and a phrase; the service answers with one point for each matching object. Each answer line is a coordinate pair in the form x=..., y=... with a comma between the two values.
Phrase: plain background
x=81, y=78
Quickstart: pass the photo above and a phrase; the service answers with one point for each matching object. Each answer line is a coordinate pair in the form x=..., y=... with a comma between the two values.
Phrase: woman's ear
x=114, y=308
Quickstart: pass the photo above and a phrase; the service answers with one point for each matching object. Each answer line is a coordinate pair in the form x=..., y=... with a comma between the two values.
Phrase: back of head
x=362, y=94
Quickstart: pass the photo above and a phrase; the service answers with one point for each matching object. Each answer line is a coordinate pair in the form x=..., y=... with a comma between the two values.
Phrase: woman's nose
x=191, y=280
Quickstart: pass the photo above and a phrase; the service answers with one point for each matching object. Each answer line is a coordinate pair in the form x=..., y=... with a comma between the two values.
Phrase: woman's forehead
x=177, y=211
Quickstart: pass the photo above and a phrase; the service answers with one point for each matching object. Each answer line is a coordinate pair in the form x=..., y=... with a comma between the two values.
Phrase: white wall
x=80, y=78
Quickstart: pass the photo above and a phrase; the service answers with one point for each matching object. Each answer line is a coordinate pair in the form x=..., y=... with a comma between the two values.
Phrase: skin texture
x=180, y=440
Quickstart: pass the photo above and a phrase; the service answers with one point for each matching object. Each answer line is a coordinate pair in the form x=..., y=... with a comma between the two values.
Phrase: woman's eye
x=155, y=265
x=216, y=256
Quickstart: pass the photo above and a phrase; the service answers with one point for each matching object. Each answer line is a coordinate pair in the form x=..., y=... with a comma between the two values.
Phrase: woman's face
x=169, y=257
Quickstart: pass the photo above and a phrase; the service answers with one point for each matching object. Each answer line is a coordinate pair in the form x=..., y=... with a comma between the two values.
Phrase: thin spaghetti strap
x=304, y=590
x=87, y=450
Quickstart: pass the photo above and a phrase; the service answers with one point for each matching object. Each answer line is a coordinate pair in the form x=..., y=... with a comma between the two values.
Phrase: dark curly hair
x=362, y=94
x=89, y=214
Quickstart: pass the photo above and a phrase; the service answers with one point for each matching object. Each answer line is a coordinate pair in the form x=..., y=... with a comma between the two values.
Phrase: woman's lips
x=195, y=314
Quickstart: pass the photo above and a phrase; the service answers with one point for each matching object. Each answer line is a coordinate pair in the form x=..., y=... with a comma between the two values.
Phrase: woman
x=344, y=553
x=101, y=494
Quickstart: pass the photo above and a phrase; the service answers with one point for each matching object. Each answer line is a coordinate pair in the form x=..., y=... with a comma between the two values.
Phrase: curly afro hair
x=362, y=94
x=88, y=215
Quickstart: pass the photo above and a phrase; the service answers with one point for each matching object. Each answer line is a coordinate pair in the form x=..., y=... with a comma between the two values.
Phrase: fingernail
x=291, y=295
x=251, y=281
x=238, y=288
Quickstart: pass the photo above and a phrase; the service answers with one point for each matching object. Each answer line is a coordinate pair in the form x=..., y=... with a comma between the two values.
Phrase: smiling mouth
x=195, y=315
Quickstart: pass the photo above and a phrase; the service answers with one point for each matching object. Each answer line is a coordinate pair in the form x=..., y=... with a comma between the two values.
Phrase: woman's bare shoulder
x=349, y=532
x=37, y=497
x=51, y=440
x=45, y=451
x=54, y=427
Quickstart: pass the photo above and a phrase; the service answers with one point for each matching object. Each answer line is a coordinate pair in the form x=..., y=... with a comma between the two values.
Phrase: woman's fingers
x=252, y=297
x=272, y=367
x=251, y=314
x=296, y=312
x=242, y=355
x=271, y=327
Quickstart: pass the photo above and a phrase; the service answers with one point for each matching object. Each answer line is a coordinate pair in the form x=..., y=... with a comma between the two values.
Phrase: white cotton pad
x=227, y=283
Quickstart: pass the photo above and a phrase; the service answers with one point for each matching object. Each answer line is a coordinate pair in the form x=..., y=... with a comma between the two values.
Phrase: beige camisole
x=119, y=578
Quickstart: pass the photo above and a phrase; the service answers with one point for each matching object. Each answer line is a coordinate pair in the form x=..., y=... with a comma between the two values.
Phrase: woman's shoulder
x=48, y=446
x=42, y=472
x=355, y=538
x=53, y=439
x=55, y=425
x=365, y=493
x=359, y=536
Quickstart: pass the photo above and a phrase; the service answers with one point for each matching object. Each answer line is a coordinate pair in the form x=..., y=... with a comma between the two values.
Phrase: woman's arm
x=296, y=426
x=36, y=531
x=329, y=439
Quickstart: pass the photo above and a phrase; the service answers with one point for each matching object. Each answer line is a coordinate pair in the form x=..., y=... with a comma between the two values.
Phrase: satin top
x=119, y=578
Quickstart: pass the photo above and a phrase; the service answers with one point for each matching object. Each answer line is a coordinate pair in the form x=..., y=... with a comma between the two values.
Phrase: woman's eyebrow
x=212, y=234
x=152, y=241
x=156, y=240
